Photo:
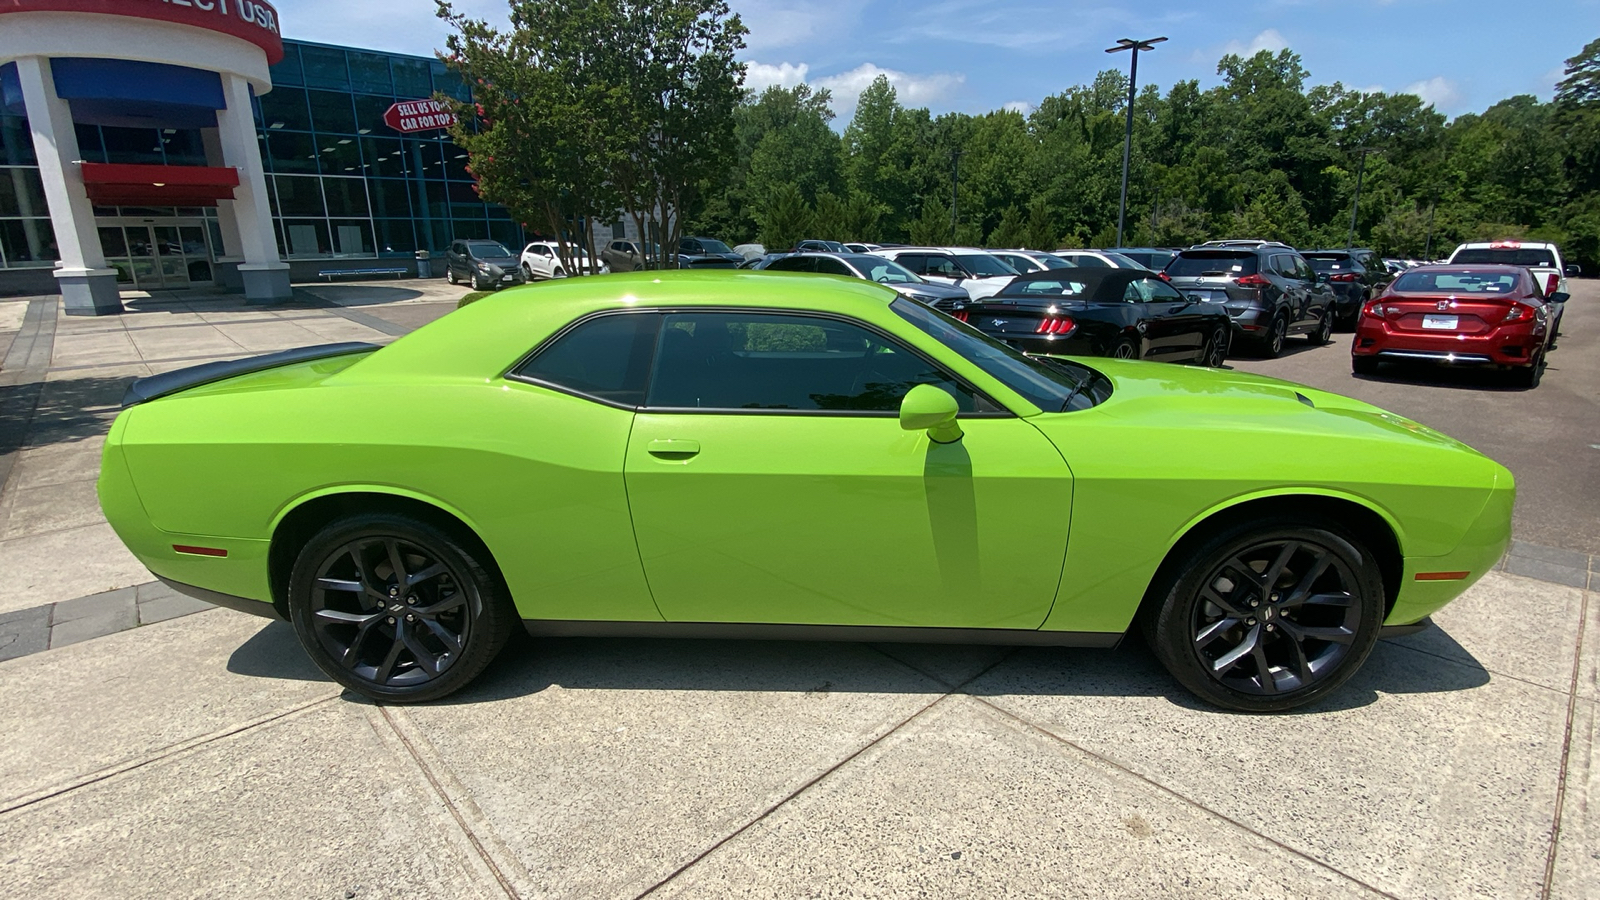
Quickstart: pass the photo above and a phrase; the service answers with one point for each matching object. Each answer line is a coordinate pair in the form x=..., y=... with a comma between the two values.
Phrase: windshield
x=487, y=250
x=1330, y=263
x=1052, y=262
x=712, y=245
x=1050, y=384
x=982, y=265
x=1228, y=263
x=1445, y=281
x=1505, y=256
x=887, y=271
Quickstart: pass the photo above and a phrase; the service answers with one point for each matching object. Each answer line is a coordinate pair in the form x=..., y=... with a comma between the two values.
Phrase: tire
x=1528, y=376
x=1123, y=348
x=527, y=273
x=1215, y=353
x=450, y=274
x=559, y=273
x=1272, y=344
x=461, y=619
x=1364, y=365
x=477, y=282
x=1222, y=635
x=1323, y=336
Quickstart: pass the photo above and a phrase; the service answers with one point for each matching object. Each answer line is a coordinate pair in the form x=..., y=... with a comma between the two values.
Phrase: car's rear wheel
x=450, y=275
x=1269, y=615
x=1215, y=353
x=1123, y=348
x=396, y=608
x=1364, y=365
x=1529, y=376
x=1272, y=344
x=1323, y=336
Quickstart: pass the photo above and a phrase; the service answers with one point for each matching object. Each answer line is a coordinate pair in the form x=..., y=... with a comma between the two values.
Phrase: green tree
x=786, y=219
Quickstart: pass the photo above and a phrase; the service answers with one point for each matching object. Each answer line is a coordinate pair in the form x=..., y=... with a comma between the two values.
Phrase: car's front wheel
x=1323, y=336
x=396, y=608
x=1269, y=615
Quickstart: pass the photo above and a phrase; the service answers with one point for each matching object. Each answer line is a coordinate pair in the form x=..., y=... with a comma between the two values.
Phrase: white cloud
x=1436, y=91
x=1271, y=39
x=1021, y=106
x=911, y=90
x=760, y=76
x=783, y=24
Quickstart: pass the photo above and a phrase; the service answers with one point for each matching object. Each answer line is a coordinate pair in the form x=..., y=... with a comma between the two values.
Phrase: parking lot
x=200, y=753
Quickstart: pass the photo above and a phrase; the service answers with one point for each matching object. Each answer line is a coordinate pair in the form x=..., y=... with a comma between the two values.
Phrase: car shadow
x=41, y=413
x=530, y=666
x=1460, y=378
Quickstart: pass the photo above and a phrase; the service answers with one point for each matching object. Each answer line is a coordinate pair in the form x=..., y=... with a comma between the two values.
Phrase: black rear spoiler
x=183, y=379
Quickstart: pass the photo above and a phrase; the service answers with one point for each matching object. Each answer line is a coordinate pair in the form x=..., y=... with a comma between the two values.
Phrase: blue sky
x=977, y=55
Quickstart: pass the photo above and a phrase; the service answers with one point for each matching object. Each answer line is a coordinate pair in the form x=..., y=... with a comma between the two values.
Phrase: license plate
x=1441, y=323
x=508, y=278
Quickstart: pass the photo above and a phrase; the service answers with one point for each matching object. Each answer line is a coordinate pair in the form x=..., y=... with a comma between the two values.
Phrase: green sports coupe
x=764, y=455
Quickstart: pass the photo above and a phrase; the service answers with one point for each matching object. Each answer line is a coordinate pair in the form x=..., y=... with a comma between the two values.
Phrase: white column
x=87, y=286
x=265, y=276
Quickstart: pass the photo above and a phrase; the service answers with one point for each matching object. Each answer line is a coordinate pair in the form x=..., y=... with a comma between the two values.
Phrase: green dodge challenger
x=763, y=455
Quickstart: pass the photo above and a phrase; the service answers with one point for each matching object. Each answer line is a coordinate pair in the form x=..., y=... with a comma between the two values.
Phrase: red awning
x=115, y=184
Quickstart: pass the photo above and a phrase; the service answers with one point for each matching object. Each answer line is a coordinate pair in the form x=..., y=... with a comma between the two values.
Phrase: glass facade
x=340, y=182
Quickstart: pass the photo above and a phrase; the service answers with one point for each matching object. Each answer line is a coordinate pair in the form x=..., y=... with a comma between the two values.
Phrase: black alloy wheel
x=1272, y=345
x=1270, y=615
x=395, y=608
x=1323, y=336
x=1215, y=353
x=1124, y=348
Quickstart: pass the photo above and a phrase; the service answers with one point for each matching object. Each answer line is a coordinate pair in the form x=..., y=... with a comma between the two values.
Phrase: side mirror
x=1574, y=269
x=927, y=408
x=1558, y=297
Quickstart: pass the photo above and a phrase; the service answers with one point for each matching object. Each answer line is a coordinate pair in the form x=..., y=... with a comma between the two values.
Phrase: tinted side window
x=944, y=267
x=771, y=361
x=1160, y=291
x=915, y=262
x=827, y=265
x=607, y=358
x=791, y=264
x=1090, y=262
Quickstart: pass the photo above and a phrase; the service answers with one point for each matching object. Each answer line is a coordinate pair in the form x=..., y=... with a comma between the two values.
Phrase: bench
x=397, y=271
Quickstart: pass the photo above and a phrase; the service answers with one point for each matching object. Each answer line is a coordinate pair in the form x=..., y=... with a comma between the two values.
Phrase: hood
x=932, y=289
x=1184, y=398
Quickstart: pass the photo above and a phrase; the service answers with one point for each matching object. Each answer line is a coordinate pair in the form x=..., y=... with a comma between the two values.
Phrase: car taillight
x=1163, y=276
x=1555, y=281
x=1257, y=280
x=1518, y=312
x=1344, y=276
x=960, y=315
x=1374, y=309
x=1054, y=326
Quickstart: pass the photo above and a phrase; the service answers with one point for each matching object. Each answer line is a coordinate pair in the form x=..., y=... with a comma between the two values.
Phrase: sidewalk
x=202, y=754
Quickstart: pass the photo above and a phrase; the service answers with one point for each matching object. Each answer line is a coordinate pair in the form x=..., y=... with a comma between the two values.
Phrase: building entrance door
x=158, y=254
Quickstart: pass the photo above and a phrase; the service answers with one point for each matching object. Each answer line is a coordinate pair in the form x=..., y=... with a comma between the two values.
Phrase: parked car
x=1122, y=313
x=1098, y=259
x=854, y=247
x=1153, y=258
x=542, y=259
x=628, y=256
x=1355, y=276
x=485, y=264
x=975, y=271
x=1269, y=289
x=872, y=268
x=1543, y=259
x=706, y=253
x=899, y=476
x=1025, y=261
x=815, y=246
x=750, y=251
x=1459, y=316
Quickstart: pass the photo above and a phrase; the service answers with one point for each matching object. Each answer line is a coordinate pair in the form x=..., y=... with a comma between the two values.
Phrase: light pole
x=1127, y=141
x=1361, y=170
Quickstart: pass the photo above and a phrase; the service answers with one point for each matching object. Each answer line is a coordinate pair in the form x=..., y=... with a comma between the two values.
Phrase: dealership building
x=170, y=144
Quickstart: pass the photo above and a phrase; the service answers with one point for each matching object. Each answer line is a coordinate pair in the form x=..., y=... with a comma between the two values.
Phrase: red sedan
x=1458, y=315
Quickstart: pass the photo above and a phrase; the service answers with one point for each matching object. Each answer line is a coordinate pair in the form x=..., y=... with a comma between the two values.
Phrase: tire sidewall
x=1276, y=337
x=1168, y=627
x=490, y=609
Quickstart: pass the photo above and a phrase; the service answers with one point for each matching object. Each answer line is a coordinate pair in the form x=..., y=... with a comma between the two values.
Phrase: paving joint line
x=438, y=789
x=171, y=750
x=1108, y=761
x=1566, y=754
x=1393, y=642
x=821, y=776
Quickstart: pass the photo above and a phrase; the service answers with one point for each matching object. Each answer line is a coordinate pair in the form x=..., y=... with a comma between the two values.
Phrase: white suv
x=1541, y=258
x=976, y=271
x=542, y=259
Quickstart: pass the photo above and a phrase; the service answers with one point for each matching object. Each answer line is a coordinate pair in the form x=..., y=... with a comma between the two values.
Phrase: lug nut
x=1254, y=603
x=411, y=618
x=394, y=592
x=1271, y=627
x=391, y=620
x=1274, y=598
x=1250, y=621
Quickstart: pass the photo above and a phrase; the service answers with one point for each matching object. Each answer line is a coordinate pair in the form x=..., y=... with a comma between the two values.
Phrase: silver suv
x=1269, y=290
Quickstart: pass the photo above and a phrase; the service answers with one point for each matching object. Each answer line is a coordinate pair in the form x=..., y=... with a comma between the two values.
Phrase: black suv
x=487, y=264
x=1270, y=291
x=1356, y=276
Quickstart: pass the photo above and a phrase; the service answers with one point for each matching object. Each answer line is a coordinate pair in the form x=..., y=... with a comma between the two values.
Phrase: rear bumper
x=227, y=601
x=1500, y=347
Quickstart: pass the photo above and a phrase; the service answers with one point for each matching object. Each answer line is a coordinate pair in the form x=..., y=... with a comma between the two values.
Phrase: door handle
x=663, y=448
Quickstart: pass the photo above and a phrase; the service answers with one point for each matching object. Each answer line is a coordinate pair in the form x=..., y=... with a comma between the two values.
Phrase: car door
x=1171, y=323
x=454, y=260
x=1319, y=293
x=1290, y=288
x=770, y=481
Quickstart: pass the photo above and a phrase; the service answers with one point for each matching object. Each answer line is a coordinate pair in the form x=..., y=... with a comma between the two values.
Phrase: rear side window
x=770, y=361
x=1223, y=263
x=791, y=264
x=607, y=358
x=827, y=265
x=1089, y=262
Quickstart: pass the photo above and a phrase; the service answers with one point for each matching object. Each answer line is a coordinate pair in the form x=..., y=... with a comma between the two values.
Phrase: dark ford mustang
x=1125, y=313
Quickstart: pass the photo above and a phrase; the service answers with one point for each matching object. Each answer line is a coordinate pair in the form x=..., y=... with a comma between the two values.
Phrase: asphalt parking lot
x=203, y=755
